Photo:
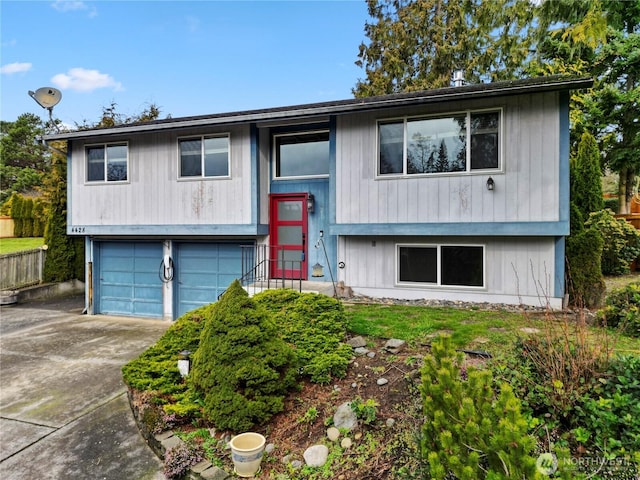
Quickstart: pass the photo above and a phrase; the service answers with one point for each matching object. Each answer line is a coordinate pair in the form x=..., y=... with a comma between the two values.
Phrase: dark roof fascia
x=497, y=89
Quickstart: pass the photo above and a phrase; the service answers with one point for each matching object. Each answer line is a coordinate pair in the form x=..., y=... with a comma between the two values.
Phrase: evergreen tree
x=58, y=266
x=599, y=38
x=471, y=432
x=586, y=189
x=418, y=44
x=442, y=164
x=23, y=160
x=612, y=108
x=27, y=218
x=242, y=367
x=17, y=214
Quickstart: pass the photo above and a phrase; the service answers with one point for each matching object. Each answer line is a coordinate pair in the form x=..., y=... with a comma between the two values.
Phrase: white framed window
x=462, y=142
x=203, y=156
x=301, y=154
x=108, y=162
x=440, y=265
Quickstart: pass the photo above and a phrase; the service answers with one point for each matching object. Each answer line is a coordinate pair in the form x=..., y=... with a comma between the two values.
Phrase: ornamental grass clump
x=242, y=367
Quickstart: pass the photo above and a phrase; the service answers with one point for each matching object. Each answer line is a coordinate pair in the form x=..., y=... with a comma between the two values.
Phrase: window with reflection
x=441, y=265
x=107, y=163
x=445, y=144
x=302, y=155
x=206, y=156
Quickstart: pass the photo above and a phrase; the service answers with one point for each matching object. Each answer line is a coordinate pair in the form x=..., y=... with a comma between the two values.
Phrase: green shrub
x=27, y=218
x=242, y=367
x=39, y=219
x=156, y=369
x=316, y=325
x=586, y=187
x=621, y=241
x=585, y=283
x=607, y=421
x=17, y=214
x=612, y=204
x=469, y=431
x=623, y=310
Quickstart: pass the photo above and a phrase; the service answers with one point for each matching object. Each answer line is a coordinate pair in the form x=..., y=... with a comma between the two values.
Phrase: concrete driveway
x=64, y=412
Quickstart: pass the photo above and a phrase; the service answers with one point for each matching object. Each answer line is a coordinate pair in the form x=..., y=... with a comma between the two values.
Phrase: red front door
x=288, y=232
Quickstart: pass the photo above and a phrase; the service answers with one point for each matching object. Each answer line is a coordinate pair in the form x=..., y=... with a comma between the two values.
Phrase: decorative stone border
x=161, y=442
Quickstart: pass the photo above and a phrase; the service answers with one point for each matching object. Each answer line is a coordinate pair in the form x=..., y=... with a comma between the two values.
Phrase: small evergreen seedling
x=242, y=368
x=469, y=431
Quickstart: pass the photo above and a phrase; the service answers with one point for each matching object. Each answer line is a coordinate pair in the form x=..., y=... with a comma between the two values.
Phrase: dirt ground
x=378, y=449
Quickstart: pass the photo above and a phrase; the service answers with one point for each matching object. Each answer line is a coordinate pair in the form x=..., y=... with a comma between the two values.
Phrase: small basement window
x=441, y=265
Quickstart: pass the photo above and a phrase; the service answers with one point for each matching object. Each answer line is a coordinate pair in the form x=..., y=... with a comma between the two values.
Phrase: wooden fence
x=21, y=269
x=632, y=218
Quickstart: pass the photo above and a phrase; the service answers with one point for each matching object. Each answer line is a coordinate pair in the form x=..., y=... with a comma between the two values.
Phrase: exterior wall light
x=491, y=185
x=311, y=203
x=184, y=362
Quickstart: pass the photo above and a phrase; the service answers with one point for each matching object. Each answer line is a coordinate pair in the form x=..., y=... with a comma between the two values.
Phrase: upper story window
x=204, y=156
x=107, y=163
x=461, y=142
x=302, y=155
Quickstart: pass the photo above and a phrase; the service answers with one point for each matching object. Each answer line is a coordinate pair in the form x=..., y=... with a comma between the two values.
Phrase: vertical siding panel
x=550, y=173
x=517, y=149
x=536, y=162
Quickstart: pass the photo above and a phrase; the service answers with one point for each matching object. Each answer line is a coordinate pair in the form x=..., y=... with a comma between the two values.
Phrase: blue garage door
x=204, y=271
x=129, y=283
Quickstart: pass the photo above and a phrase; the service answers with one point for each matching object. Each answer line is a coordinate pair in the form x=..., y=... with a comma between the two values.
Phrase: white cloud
x=73, y=6
x=83, y=80
x=18, y=67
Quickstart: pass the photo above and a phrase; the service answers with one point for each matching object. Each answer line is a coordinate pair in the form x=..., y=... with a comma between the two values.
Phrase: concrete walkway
x=64, y=412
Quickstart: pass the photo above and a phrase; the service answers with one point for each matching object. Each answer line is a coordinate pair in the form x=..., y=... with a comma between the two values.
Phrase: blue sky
x=187, y=57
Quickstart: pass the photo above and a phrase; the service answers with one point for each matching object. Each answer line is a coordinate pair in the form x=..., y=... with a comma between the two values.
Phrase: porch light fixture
x=491, y=185
x=184, y=363
x=311, y=203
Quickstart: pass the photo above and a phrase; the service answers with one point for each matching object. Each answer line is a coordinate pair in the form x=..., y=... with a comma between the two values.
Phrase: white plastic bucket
x=246, y=453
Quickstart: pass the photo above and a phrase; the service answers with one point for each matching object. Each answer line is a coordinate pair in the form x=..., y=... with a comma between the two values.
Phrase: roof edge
x=506, y=88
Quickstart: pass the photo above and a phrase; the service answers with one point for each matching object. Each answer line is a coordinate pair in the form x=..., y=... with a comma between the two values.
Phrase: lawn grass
x=10, y=245
x=491, y=331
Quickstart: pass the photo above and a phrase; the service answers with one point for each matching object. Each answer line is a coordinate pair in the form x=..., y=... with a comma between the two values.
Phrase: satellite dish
x=46, y=97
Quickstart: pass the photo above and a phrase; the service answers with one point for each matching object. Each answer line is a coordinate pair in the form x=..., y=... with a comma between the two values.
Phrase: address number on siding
x=77, y=229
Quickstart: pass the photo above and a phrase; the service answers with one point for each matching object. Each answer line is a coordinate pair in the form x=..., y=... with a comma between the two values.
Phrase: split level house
x=458, y=193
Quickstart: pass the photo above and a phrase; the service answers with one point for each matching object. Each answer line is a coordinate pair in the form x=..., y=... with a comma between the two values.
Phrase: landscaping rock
x=345, y=417
x=361, y=351
x=214, y=473
x=296, y=464
x=269, y=448
x=333, y=434
x=356, y=342
x=382, y=381
x=390, y=422
x=316, y=455
x=201, y=466
x=346, y=443
x=394, y=345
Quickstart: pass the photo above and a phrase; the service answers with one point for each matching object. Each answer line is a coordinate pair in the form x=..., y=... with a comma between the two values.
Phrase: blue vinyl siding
x=128, y=281
x=204, y=271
